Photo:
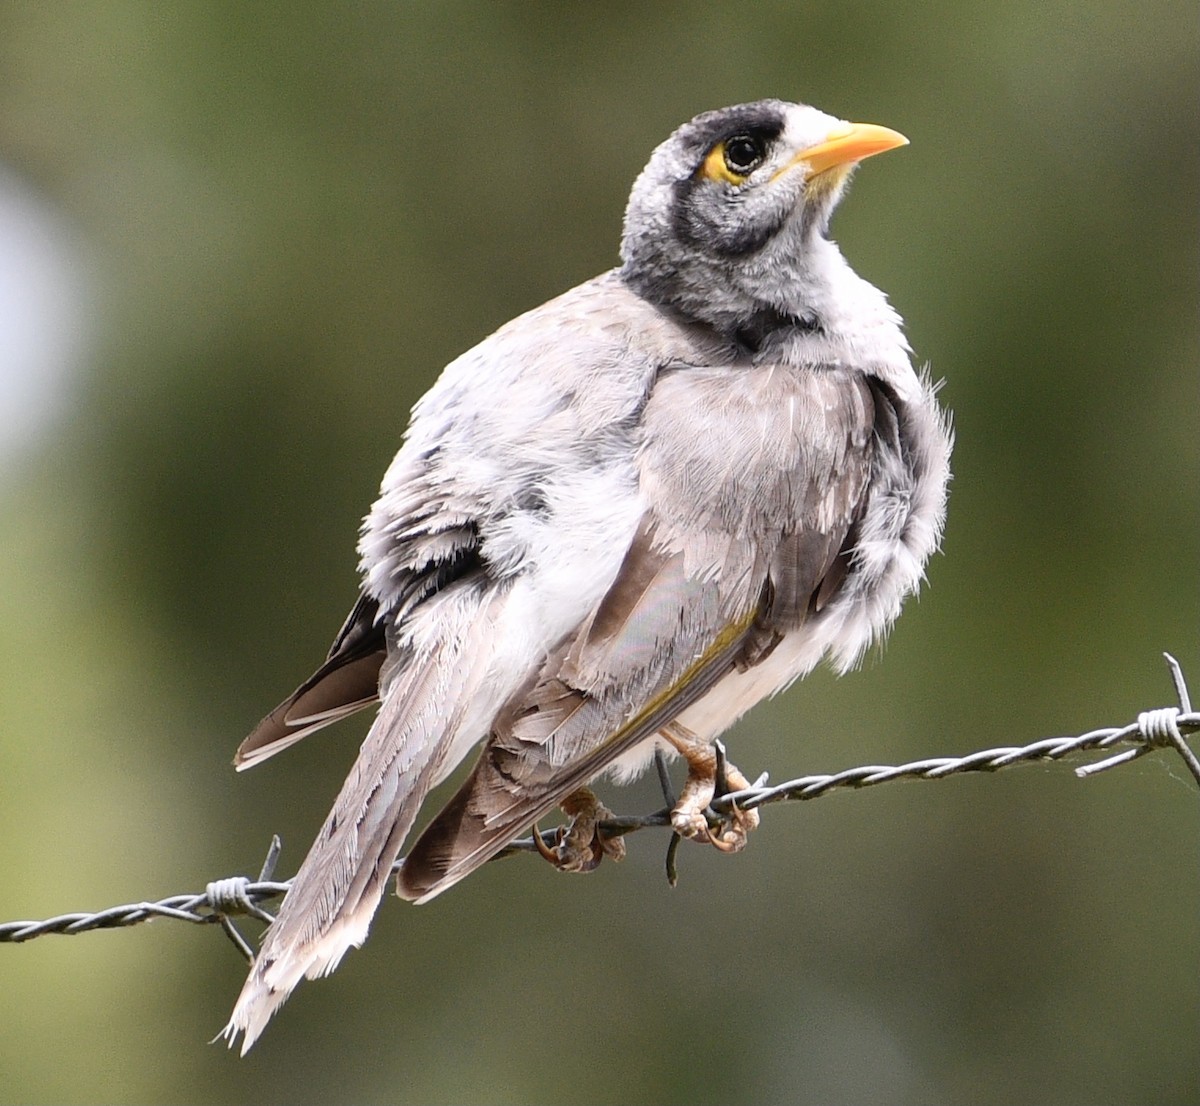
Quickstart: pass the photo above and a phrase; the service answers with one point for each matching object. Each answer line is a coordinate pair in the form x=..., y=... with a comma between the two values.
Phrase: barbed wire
x=223, y=899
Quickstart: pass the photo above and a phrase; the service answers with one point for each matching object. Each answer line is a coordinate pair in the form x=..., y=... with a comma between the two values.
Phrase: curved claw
x=547, y=853
x=733, y=846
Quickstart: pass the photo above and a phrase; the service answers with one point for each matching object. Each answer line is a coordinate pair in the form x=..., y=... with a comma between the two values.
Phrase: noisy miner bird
x=617, y=524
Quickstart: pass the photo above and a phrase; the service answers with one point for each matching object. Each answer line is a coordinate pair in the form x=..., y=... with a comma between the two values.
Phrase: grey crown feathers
x=615, y=525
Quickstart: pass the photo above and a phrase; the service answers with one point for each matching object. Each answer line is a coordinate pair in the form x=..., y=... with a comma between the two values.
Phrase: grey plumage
x=650, y=502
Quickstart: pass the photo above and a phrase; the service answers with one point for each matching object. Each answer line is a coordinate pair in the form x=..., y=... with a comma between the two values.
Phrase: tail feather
x=339, y=886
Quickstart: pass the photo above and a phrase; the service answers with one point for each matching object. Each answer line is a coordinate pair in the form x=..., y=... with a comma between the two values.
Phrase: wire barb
x=272, y=858
x=1153, y=730
x=1158, y=729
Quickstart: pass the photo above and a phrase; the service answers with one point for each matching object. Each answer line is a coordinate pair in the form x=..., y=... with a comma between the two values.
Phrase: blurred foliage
x=290, y=217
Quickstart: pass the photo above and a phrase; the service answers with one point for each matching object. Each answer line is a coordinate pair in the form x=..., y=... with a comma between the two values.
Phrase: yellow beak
x=847, y=145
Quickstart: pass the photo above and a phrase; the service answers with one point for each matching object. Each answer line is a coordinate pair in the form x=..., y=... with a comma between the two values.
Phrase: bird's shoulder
x=541, y=417
x=556, y=390
x=589, y=353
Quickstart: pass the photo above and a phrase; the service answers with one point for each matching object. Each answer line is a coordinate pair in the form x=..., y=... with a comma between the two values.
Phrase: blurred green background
x=238, y=241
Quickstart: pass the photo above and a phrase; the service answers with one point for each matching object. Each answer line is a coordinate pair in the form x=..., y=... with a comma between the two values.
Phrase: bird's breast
x=752, y=450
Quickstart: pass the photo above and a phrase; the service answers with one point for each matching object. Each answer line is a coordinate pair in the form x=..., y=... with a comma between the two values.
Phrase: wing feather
x=515, y=782
x=346, y=682
x=746, y=539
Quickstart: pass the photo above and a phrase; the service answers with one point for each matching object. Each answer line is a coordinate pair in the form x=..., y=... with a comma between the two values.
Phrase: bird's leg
x=581, y=845
x=688, y=817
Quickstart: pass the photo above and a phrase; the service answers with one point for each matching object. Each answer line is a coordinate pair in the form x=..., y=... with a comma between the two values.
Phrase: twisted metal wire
x=1162, y=728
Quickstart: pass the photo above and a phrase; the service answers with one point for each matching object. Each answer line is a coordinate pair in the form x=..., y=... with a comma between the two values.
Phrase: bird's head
x=728, y=218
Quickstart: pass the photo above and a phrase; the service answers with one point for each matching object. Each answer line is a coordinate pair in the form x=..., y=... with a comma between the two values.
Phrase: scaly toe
x=577, y=851
x=689, y=823
x=613, y=847
x=582, y=846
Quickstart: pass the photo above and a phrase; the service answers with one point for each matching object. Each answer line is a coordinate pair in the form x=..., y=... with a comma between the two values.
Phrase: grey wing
x=567, y=728
x=698, y=596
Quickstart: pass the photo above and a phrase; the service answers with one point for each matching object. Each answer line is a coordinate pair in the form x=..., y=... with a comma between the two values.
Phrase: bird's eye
x=734, y=159
x=743, y=154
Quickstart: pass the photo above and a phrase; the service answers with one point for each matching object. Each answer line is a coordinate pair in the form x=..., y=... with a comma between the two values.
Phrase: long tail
x=339, y=886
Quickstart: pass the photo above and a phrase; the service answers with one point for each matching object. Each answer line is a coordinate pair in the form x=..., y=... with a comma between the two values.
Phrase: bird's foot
x=709, y=773
x=581, y=844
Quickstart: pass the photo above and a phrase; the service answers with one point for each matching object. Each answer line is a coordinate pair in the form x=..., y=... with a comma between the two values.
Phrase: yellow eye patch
x=733, y=159
x=716, y=167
